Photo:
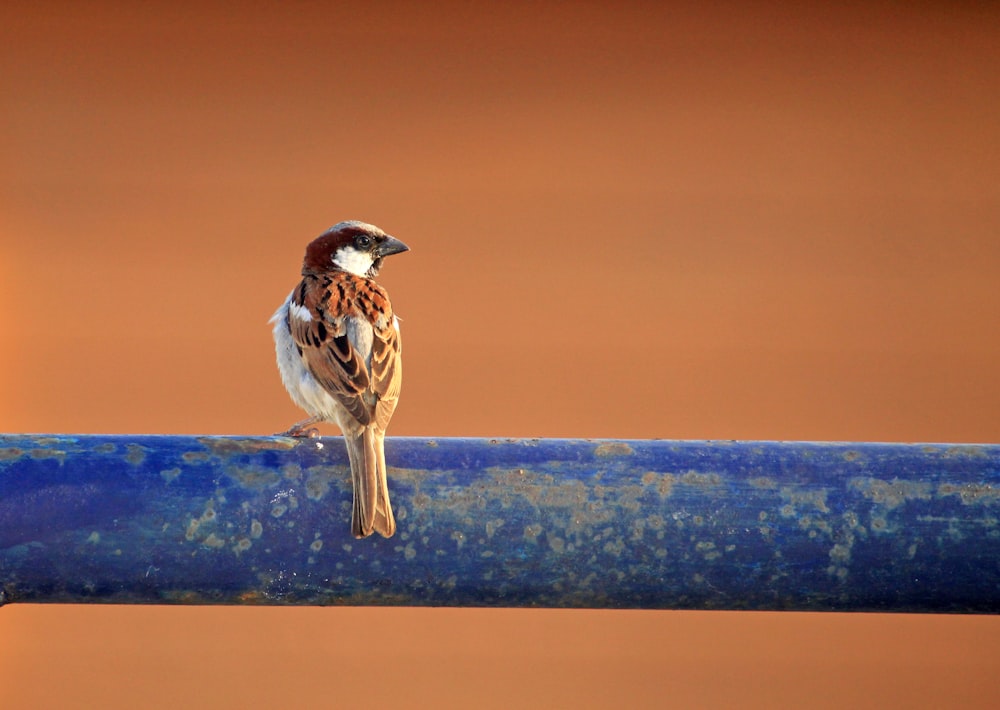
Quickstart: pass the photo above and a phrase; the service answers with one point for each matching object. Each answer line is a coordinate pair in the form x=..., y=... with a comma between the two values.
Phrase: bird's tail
x=372, y=510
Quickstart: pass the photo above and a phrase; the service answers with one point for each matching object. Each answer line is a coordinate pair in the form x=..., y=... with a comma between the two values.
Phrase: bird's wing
x=386, y=370
x=318, y=319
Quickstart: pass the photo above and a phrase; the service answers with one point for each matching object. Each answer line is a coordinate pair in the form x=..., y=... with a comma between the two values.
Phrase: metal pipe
x=503, y=523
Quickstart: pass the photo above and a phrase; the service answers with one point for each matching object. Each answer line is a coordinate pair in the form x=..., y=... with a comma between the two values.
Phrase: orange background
x=775, y=221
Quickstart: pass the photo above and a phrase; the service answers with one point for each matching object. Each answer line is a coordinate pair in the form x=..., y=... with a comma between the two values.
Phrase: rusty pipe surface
x=503, y=523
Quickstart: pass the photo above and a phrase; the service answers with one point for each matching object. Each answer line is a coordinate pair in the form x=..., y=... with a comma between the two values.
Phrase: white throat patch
x=350, y=259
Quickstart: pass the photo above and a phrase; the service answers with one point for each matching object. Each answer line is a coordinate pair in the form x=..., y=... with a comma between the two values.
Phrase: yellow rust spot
x=892, y=493
x=227, y=446
x=706, y=480
x=557, y=544
x=256, y=529
x=136, y=454
x=409, y=552
x=195, y=457
x=413, y=475
x=840, y=553
x=492, y=526
x=253, y=477
x=316, y=545
x=11, y=453
x=763, y=482
x=242, y=545
x=318, y=481
x=638, y=529
x=169, y=474
x=971, y=493
x=615, y=547
x=213, y=541
x=316, y=489
x=531, y=532
x=613, y=448
x=663, y=482
x=851, y=455
x=181, y=596
x=107, y=448
x=192, y=529
x=969, y=450
x=40, y=454
x=94, y=538
x=209, y=513
x=52, y=440
x=799, y=497
x=541, y=490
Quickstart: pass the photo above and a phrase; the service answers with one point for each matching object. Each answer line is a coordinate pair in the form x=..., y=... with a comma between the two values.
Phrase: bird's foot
x=303, y=429
x=309, y=433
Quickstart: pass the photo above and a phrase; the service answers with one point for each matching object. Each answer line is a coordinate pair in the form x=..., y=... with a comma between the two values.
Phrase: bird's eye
x=362, y=241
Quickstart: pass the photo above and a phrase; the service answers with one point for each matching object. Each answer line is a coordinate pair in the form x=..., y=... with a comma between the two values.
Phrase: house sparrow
x=338, y=348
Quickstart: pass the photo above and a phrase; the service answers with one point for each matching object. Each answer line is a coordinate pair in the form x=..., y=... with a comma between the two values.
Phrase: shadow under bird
x=339, y=353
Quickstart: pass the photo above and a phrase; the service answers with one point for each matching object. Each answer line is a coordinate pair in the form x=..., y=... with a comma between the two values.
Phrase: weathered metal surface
x=549, y=523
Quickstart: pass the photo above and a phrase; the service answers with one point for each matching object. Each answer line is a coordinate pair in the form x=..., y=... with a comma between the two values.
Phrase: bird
x=338, y=348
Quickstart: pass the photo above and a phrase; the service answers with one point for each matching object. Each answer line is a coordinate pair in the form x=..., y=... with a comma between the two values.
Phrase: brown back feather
x=370, y=395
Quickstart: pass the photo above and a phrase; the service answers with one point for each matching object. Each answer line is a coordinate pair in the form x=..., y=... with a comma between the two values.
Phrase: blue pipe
x=503, y=523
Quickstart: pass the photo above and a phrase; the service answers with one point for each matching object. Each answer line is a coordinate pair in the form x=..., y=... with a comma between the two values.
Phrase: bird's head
x=355, y=247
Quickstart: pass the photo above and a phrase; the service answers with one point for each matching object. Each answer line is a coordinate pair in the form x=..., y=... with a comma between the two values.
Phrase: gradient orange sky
x=744, y=220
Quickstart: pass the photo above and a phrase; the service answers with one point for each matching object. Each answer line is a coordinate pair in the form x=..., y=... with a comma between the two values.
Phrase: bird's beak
x=391, y=245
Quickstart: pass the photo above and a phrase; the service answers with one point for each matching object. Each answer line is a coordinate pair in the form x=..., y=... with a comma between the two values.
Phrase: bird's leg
x=304, y=428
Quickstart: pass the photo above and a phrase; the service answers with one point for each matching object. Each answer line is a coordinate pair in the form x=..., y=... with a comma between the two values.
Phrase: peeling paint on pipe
x=504, y=523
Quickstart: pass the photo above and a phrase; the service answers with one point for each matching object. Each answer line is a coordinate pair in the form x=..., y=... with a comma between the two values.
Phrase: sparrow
x=338, y=348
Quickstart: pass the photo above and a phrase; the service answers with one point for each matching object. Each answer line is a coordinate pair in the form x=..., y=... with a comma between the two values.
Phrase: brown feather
x=368, y=391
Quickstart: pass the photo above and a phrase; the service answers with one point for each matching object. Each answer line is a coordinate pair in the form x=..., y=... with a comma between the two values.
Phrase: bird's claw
x=301, y=433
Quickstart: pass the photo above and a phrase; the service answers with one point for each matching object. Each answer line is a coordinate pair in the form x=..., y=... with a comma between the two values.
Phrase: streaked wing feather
x=387, y=373
x=328, y=352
